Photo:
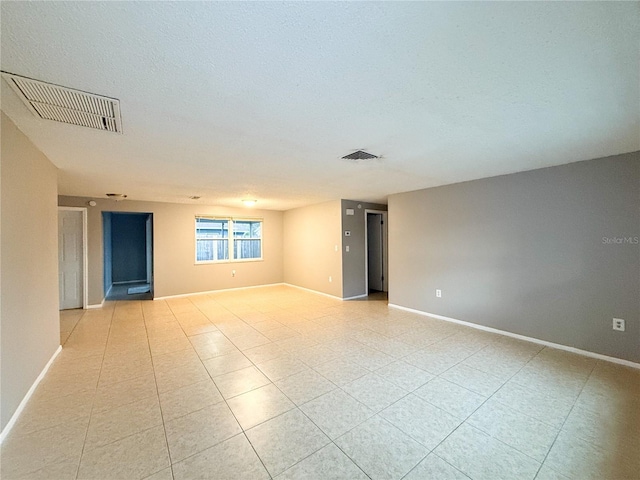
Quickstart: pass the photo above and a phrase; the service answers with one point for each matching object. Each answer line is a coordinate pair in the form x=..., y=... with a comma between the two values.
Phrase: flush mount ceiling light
x=116, y=196
x=66, y=105
x=249, y=203
x=360, y=155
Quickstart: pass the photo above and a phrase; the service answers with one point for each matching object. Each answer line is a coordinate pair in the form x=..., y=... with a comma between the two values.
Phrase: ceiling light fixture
x=116, y=196
x=249, y=203
x=194, y=197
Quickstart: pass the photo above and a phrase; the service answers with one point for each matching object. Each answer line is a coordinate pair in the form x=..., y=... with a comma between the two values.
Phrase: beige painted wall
x=29, y=325
x=311, y=235
x=175, y=271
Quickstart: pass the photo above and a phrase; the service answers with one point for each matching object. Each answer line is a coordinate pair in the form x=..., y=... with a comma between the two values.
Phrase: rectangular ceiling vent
x=360, y=155
x=66, y=105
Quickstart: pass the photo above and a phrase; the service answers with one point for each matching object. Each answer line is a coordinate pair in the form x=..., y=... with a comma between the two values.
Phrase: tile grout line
x=296, y=407
x=331, y=441
x=129, y=403
x=565, y=419
x=155, y=379
x=328, y=335
x=396, y=359
x=261, y=387
x=73, y=329
x=480, y=406
x=93, y=402
x=242, y=430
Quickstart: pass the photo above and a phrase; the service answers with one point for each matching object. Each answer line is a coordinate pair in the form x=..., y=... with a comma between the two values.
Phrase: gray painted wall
x=30, y=322
x=354, y=261
x=312, y=248
x=175, y=271
x=528, y=253
x=128, y=247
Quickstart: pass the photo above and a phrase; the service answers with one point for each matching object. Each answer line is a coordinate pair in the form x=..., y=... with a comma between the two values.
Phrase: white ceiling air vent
x=66, y=105
x=118, y=197
x=359, y=155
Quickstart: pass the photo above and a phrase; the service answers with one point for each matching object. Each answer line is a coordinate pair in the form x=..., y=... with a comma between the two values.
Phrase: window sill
x=226, y=262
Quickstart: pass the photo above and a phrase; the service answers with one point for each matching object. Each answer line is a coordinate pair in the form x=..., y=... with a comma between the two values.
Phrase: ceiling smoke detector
x=359, y=155
x=66, y=105
x=116, y=196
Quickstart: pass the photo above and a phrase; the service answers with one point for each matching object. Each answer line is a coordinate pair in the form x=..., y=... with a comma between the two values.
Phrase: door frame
x=149, y=241
x=149, y=250
x=385, y=250
x=85, y=256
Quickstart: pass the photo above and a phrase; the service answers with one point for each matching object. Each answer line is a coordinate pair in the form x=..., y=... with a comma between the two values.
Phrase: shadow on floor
x=120, y=292
x=374, y=296
x=68, y=321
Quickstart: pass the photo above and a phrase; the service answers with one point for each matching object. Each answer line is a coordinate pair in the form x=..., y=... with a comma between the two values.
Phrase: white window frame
x=230, y=239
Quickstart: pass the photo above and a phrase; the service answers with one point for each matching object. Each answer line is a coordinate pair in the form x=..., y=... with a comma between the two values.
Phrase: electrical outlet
x=618, y=324
x=438, y=293
x=347, y=247
x=233, y=273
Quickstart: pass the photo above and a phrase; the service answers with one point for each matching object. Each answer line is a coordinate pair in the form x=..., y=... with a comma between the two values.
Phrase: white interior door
x=70, y=260
x=374, y=251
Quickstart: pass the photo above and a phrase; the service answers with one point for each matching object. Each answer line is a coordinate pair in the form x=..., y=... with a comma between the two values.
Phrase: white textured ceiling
x=233, y=100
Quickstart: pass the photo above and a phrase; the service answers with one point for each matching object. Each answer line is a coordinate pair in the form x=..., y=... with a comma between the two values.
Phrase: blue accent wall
x=106, y=231
x=128, y=247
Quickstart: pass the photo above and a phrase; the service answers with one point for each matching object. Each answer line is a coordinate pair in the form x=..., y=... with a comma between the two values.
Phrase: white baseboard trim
x=559, y=346
x=314, y=291
x=104, y=299
x=364, y=295
x=25, y=400
x=99, y=305
x=181, y=295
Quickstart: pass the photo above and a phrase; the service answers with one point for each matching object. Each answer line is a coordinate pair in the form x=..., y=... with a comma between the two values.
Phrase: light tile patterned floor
x=281, y=383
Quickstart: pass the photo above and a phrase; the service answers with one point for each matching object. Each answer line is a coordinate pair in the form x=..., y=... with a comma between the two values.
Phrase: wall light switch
x=350, y=211
x=347, y=247
x=330, y=279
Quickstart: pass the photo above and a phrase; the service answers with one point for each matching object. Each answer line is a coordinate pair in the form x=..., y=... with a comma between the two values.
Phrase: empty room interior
x=320, y=240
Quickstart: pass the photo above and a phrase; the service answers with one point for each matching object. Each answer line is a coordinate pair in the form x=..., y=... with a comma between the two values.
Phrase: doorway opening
x=72, y=257
x=128, y=255
x=376, y=253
